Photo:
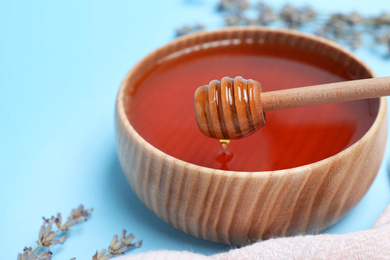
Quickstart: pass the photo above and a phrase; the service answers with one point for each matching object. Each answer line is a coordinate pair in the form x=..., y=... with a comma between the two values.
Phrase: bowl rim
x=120, y=106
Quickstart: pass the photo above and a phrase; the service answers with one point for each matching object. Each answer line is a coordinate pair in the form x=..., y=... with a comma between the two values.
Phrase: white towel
x=373, y=243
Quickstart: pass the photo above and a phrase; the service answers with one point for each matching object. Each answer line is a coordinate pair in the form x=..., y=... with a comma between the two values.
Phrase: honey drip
x=225, y=156
x=224, y=144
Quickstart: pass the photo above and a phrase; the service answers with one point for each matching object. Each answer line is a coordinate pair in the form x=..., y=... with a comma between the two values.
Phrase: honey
x=160, y=108
x=224, y=144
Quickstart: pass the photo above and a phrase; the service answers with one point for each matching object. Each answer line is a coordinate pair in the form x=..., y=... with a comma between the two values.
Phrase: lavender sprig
x=47, y=237
x=118, y=246
x=344, y=28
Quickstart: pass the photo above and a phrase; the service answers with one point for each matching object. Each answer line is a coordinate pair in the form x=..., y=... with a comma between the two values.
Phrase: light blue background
x=61, y=63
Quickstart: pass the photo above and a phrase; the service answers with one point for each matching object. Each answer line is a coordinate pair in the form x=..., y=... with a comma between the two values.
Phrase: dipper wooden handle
x=234, y=108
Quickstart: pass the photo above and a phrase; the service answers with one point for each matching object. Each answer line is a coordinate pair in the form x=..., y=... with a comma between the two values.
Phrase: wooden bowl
x=237, y=207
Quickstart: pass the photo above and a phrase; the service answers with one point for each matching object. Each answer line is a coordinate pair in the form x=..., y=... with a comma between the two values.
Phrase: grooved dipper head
x=230, y=108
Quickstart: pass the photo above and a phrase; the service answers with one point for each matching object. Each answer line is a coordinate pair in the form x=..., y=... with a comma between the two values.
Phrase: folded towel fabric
x=373, y=243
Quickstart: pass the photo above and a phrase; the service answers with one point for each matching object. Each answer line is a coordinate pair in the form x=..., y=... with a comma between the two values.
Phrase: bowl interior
x=159, y=104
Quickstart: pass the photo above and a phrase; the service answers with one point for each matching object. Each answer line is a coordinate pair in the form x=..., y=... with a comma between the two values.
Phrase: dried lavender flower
x=77, y=215
x=291, y=16
x=234, y=19
x=354, y=40
x=71, y=222
x=354, y=19
x=28, y=254
x=308, y=13
x=388, y=45
x=335, y=26
x=382, y=20
x=58, y=220
x=45, y=255
x=46, y=235
x=233, y=5
x=385, y=39
x=101, y=255
x=80, y=212
x=119, y=246
x=266, y=14
x=189, y=29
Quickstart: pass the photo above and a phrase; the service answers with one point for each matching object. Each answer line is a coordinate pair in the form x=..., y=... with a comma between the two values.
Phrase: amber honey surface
x=161, y=108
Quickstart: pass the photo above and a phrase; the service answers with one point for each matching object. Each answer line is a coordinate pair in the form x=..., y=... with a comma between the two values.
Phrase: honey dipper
x=234, y=108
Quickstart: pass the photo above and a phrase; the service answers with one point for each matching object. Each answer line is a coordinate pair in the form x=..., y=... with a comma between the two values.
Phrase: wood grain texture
x=239, y=207
x=325, y=93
